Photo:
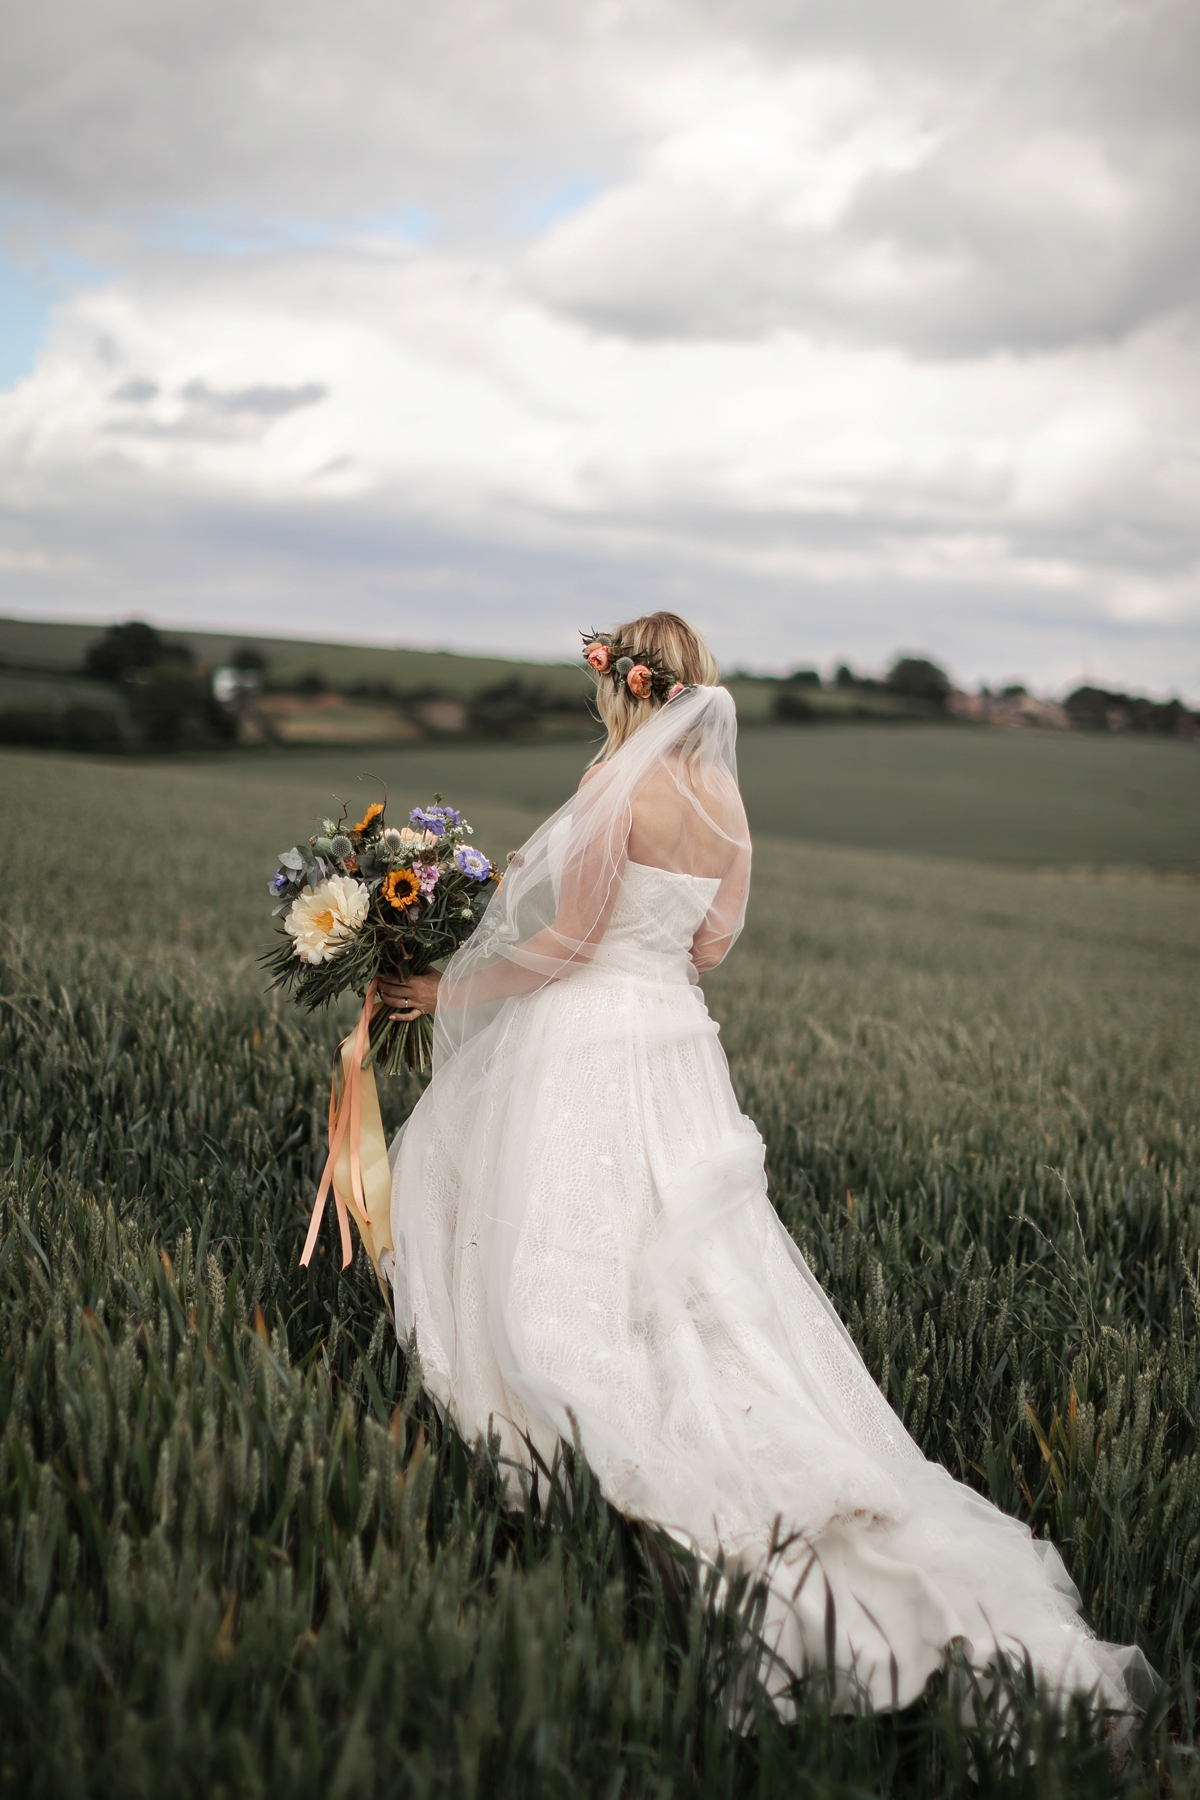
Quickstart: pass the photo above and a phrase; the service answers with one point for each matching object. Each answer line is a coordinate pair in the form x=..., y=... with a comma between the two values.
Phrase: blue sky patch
x=537, y=211
x=409, y=224
x=24, y=311
x=30, y=288
x=204, y=232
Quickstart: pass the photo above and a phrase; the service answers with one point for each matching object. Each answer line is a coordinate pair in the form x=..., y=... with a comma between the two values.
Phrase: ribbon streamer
x=356, y=1169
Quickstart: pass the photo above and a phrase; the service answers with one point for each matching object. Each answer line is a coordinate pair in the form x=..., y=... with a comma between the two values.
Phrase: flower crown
x=643, y=672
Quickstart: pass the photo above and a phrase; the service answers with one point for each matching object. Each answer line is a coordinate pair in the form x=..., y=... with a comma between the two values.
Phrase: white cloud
x=844, y=328
x=994, y=208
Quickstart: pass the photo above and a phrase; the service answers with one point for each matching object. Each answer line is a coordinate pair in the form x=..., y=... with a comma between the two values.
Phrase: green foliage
x=920, y=679
x=141, y=692
x=92, y=728
x=63, y=712
x=38, y=728
x=173, y=708
x=135, y=648
x=95, y=729
x=760, y=699
x=1098, y=709
x=239, y=1553
x=793, y=707
x=515, y=708
x=249, y=658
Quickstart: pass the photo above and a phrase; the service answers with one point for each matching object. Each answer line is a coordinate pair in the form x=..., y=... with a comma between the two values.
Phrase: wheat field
x=240, y=1554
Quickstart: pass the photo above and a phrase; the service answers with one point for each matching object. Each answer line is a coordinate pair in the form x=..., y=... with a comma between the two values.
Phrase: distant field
x=47, y=645
x=985, y=794
x=33, y=644
x=975, y=794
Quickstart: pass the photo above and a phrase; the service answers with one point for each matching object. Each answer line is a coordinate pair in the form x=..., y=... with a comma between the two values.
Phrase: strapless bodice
x=654, y=919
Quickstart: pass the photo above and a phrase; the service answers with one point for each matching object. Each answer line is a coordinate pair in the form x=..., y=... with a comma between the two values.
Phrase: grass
x=1008, y=797
x=238, y=1553
x=986, y=794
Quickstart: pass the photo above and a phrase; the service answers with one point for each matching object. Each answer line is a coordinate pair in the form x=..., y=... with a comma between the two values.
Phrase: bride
x=584, y=1242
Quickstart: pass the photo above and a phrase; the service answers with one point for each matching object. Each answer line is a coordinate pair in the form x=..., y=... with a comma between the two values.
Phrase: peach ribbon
x=356, y=1168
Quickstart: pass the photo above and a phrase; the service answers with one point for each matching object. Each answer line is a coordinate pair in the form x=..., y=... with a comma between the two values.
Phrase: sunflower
x=373, y=812
x=401, y=889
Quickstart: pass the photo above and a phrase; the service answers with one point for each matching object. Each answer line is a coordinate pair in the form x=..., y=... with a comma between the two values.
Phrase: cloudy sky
x=843, y=326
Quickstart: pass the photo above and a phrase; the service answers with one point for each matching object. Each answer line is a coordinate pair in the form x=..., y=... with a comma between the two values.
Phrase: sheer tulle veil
x=553, y=904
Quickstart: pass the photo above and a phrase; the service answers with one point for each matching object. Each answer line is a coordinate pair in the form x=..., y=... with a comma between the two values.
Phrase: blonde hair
x=670, y=640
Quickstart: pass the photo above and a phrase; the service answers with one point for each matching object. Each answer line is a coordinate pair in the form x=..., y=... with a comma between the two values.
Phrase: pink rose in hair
x=639, y=681
x=598, y=657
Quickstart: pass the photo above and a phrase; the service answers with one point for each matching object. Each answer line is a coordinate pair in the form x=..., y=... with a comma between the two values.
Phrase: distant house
x=440, y=713
x=232, y=686
x=1008, y=709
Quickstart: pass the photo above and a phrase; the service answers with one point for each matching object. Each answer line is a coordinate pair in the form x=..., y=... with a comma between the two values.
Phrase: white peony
x=322, y=919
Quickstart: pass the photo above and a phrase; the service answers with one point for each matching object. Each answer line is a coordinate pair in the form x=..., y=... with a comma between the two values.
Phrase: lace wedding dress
x=584, y=1242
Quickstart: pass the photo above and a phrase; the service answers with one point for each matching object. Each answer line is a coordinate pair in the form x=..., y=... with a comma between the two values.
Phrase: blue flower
x=280, y=881
x=473, y=863
x=437, y=819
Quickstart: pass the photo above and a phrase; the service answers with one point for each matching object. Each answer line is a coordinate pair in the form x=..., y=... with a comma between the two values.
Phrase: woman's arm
x=590, y=884
x=588, y=887
x=712, y=942
x=551, y=956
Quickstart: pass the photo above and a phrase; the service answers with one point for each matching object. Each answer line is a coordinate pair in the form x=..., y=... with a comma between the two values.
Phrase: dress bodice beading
x=654, y=919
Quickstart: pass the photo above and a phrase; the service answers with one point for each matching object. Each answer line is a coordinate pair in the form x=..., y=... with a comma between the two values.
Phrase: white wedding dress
x=584, y=1243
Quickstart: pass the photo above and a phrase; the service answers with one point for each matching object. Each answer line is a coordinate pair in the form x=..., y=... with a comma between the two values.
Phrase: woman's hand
x=409, y=995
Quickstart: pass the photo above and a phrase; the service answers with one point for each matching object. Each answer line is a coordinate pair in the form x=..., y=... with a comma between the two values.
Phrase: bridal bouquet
x=366, y=900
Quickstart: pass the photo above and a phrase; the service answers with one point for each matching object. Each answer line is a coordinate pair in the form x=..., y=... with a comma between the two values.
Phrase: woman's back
x=688, y=820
